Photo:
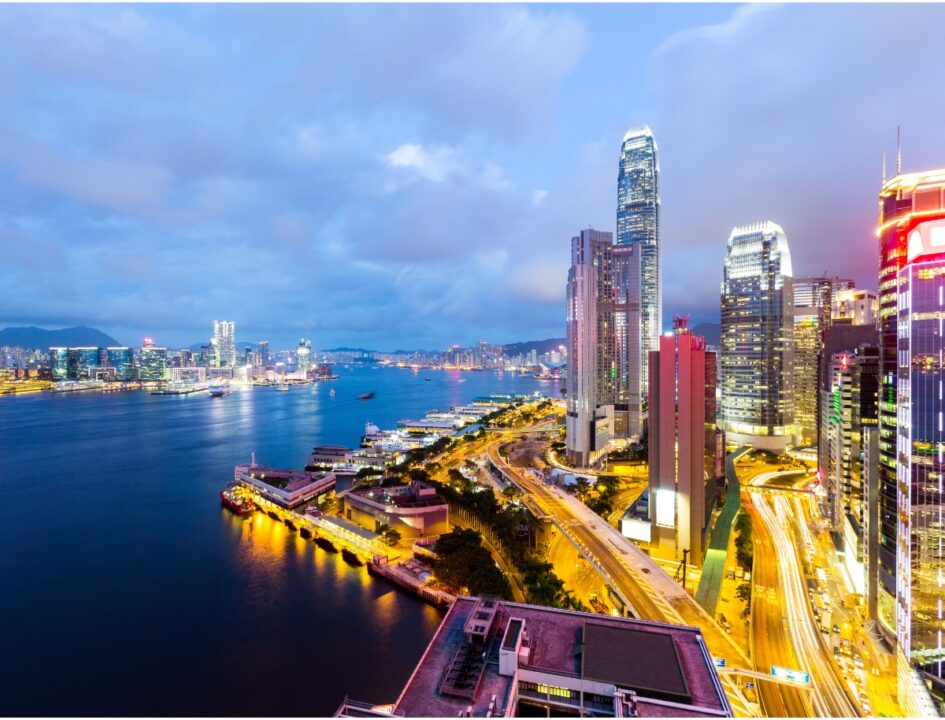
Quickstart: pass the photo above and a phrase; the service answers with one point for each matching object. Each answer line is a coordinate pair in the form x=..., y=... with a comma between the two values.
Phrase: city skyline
x=158, y=208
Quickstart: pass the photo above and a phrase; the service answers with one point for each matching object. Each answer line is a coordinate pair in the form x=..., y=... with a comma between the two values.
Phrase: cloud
x=538, y=197
x=434, y=165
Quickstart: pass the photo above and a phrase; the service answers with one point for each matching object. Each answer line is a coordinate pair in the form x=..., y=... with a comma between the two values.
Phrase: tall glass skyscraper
x=905, y=201
x=121, y=358
x=638, y=223
x=224, y=340
x=758, y=338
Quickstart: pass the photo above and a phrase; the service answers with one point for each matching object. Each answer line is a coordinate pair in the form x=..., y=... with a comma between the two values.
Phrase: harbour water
x=126, y=590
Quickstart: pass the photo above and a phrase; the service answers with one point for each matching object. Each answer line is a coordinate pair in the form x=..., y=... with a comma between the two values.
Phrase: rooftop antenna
x=884, y=168
x=898, y=150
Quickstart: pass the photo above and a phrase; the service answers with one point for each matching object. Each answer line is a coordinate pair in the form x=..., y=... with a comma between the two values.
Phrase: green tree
x=743, y=592
x=391, y=536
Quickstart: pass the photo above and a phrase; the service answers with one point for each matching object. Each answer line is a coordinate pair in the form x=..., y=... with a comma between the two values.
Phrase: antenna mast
x=898, y=150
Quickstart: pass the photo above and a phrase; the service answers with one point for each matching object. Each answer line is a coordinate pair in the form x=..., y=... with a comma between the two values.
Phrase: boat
x=332, y=392
x=351, y=558
x=427, y=379
x=218, y=390
x=283, y=386
x=366, y=396
x=234, y=498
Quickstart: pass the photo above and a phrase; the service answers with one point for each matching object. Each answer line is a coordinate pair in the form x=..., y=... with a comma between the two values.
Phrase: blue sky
x=411, y=176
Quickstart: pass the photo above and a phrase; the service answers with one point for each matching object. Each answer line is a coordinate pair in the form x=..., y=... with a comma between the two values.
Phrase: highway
x=784, y=631
x=653, y=594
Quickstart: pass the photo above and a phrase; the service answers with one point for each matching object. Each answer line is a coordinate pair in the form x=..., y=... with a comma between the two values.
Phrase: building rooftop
x=659, y=669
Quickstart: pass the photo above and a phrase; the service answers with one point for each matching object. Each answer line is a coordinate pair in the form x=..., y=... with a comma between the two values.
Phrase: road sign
x=719, y=662
x=801, y=678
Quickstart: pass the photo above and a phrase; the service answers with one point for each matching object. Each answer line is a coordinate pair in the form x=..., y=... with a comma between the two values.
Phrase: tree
x=391, y=536
x=743, y=592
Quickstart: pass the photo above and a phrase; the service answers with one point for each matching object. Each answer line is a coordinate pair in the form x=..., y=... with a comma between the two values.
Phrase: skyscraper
x=224, y=340
x=758, y=338
x=303, y=355
x=121, y=359
x=638, y=223
x=59, y=363
x=152, y=362
x=682, y=446
x=905, y=202
x=920, y=435
x=628, y=405
x=592, y=370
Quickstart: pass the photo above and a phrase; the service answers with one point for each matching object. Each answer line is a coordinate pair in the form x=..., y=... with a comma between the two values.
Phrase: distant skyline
x=410, y=176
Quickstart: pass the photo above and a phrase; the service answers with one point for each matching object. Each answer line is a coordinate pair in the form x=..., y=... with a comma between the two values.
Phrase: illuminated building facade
x=905, y=201
x=758, y=338
x=812, y=306
x=920, y=441
x=303, y=355
x=152, y=362
x=682, y=444
x=224, y=340
x=59, y=363
x=854, y=306
x=628, y=337
x=80, y=362
x=592, y=367
x=638, y=223
x=122, y=360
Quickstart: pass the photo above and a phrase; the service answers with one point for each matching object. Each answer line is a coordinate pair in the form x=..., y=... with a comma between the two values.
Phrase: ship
x=366, y=396
x=234, y=498
x=283, y=386
x=332, y=393
x=218, y=390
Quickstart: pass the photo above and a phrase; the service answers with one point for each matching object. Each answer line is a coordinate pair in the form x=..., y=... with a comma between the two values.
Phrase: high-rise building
x=121, y=358
x=848, y=407
x=758, y=338
x=905, y=202
x=920, y=435
x=638, y=223
x=80, y=362
x=59, y=363
x=682, y=444
x=303, y=355
x=592, y=368
x=224, y=340
x=854, y=306
x=264, y=352
x=628, y=338
x=152, y=362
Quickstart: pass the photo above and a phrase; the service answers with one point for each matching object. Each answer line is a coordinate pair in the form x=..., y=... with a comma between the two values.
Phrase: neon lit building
x=638, y=223
x=758, y=338
x=224, y=340
x=906, y=512
x=152, y=362
x=854, y=306
x=682, y=444
x=592, y=368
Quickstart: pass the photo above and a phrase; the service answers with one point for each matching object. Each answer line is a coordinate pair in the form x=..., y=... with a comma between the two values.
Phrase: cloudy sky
x=410, y=176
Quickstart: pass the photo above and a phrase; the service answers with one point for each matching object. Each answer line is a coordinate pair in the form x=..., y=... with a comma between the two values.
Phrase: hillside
x=34, y=337
x=540, y=346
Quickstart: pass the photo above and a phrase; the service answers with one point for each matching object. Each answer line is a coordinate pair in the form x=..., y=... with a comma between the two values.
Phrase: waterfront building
x=493, y=658
x=682, y=444
x=628, y=342
x=224, y=340
x=286, y=488
x=152, y=362
x=592, y=370
x=758, y=338
x=120, y=358
x=920, y=437
x=303, y=356
x=80, y=362
x=854, y=306
x=905, y=201
x=848, y=407
x=414, y=510
x=638, y=223
x=59, y=363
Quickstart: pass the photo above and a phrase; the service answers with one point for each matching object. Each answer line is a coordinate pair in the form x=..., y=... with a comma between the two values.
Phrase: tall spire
x=898, y=150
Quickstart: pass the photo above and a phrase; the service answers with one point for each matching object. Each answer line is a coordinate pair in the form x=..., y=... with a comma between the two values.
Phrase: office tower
x=303, y=355
x=59, y=363
x=591, y=359
x=80, y=361
x=920, y=438
x=264, y=352
x=812, y=304
x=628, y=337
x=854, y=306
x=905, y=202
x=847, y=408
x=682, y=444
x=121, y=359
x=152, y=362
x=224, y=340
x=758, y=338
x=638, y=223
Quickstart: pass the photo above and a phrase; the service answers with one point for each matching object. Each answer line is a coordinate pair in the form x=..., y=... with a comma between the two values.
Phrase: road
x=653, y=594
x=784, y=631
